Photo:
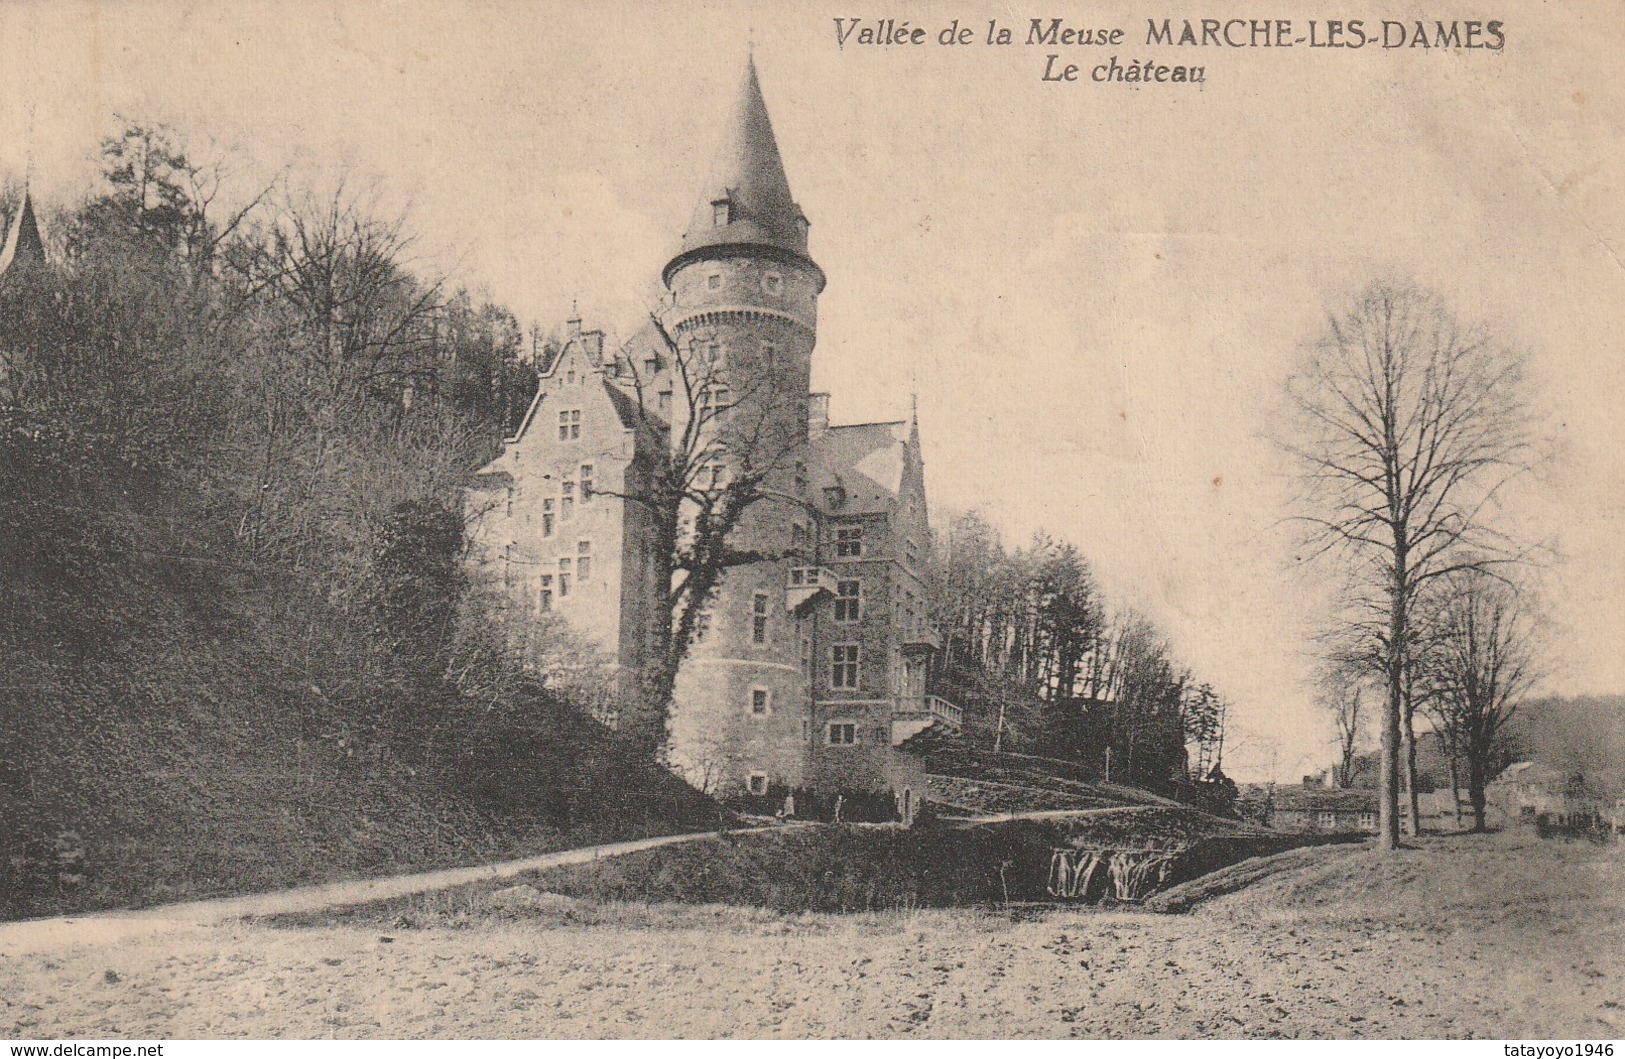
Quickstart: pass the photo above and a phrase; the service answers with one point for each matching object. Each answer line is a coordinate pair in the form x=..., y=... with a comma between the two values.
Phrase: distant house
x=1528, y=789
x=1312, y=808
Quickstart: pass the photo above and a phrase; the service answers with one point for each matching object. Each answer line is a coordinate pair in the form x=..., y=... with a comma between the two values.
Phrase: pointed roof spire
x=24, y=247
x=746, y=201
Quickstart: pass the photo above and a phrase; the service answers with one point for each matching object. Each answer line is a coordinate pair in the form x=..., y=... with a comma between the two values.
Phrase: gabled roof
x=748, y=177
x=866, y=460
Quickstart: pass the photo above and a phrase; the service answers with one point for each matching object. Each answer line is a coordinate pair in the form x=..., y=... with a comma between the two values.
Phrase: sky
x=1096, y=290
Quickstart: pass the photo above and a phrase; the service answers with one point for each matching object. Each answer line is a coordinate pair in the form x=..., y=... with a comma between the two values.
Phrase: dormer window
x=721, y=212
x=834, y=496
x=802, y=224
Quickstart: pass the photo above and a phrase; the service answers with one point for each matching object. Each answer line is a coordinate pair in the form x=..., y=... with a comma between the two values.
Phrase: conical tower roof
x=23, y=243
x=746, y=202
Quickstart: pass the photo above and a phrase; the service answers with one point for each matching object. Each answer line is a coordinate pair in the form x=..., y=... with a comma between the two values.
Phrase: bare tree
x=1407, y=428
x=717, y=437
x=1342, y=695
x=1484, y=666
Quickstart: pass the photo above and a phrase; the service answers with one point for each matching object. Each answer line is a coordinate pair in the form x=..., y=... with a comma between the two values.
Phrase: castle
x=809, y=668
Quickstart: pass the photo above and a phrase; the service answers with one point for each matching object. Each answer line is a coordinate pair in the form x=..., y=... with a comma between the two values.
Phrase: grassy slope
x=162, y=739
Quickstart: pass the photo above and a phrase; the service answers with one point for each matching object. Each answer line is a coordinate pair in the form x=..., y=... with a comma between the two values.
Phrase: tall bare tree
x=1483, y=666
x=1408, y=426
x=1342, y=694
x=717, y=437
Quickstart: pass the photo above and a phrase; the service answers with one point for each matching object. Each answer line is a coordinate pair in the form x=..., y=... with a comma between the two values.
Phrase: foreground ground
x=1499, y=936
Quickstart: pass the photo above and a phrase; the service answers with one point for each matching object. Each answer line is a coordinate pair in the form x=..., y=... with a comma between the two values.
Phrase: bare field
x=1497, y=936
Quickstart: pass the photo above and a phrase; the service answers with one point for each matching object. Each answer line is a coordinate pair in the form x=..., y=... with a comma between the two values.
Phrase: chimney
x=817, y=414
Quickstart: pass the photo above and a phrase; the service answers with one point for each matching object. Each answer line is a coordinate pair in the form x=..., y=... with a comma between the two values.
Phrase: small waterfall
x=1129, y=875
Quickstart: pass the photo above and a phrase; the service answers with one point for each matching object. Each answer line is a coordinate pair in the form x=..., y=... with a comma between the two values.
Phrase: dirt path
x=1486, y=937
x=61, y=933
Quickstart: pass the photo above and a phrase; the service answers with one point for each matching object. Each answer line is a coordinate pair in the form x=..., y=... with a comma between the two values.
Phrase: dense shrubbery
x=237, y=645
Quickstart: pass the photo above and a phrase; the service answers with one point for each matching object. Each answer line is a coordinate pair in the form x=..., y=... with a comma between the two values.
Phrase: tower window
x=545, y=597
x=547, y=517
x=564, y=577
x=848, y=600
x=584, y=560
x=758, y=618
x=586, y=482
x=844, y=668
x=773, y=283
x=713, y=281
x=761, y=701
x=849, y=542
x=756, y=784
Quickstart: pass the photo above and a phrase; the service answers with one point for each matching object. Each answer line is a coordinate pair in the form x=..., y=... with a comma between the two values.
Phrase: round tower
x=743, y=310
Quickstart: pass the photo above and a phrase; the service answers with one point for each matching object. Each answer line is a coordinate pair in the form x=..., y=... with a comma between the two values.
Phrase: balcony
x=913, y=716
x=945, y=711
x=804, y=582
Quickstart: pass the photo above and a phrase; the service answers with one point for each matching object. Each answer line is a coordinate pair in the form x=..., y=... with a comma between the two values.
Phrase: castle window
x=510, y=501
x=1368, y=821
x=912, y=550
x=664, y=403
x=756, y=784
x=721, y=213
x=844, y=666
x=849, y=542
x=758, y=618
x=806, y=655
x=564, y=577
x=586, y=482
x=834, y=496
x=761, y=701
x=798, y=538
x=584, y=560
x=510, y=572
x=570, y=425
x=772, y=282
x=713, y=281
x=713, y=401
x=545, y=597
x=570, y=377
x=547, y=517
x=841, y=733
x=848, y=600
x=713, y=475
